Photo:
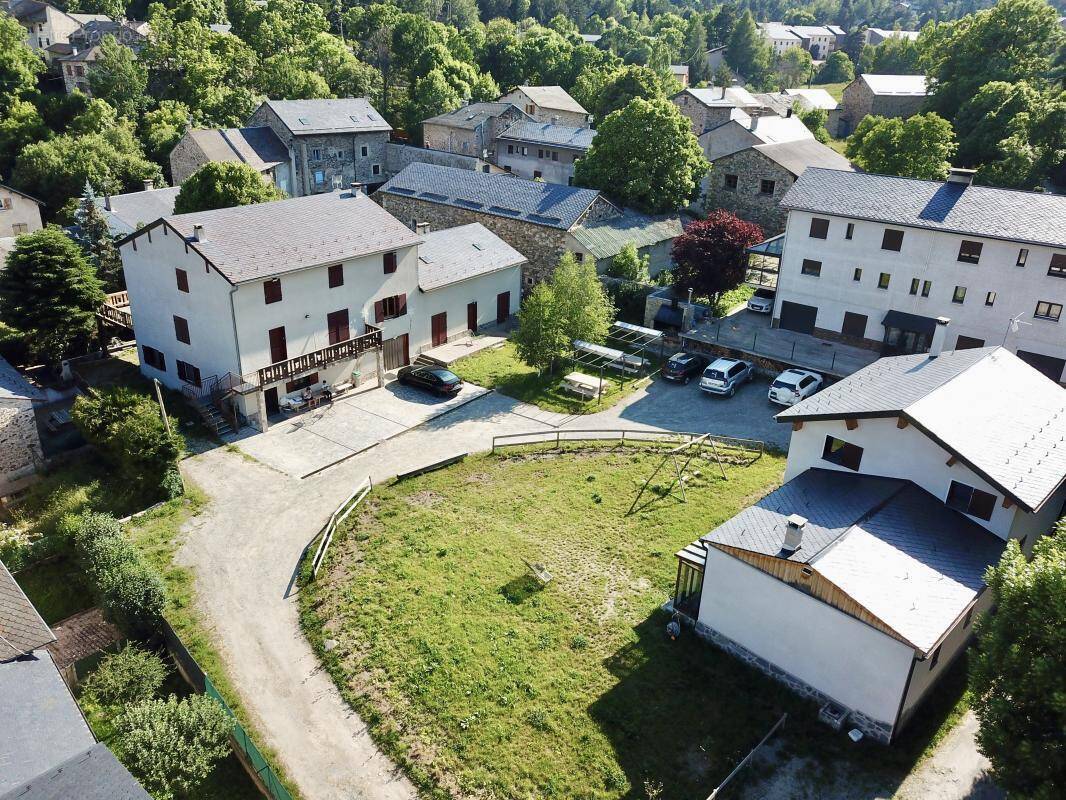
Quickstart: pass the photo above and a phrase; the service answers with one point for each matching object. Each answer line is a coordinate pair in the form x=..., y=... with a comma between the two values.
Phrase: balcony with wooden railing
x=116, y=310
x=318, y=359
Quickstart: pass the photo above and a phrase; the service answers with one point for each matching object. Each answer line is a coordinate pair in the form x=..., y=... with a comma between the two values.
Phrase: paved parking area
x=310, y=441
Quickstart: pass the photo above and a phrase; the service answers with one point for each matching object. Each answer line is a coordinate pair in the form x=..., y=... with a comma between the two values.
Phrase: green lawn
x=481, y=683
x=835, y=89
x=501, y=369
x=57, y=589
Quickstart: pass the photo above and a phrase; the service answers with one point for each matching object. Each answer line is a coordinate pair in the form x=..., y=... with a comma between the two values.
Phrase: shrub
x=131, y=675
x=172, y=745
x=172, y=485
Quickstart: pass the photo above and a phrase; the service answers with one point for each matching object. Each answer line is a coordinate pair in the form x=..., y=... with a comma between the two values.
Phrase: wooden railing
x=115, y=315
x=119, y=299
x=350, y=348
x=335, y=519
x=560, y=436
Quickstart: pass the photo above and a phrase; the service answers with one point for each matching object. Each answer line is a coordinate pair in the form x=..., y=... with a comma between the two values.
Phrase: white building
x=266, y=300
x=47, y=26
x=542, y=150
x=857, y=582
x=875, y=36
x=818, y=40
x=779, y=36
x=874, y=260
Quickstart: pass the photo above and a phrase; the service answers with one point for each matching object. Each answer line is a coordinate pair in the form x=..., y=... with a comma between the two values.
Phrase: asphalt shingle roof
x=351, y=115
x=550, y=134
x=605, y=238
x=547, y=204
x=21, y=628
x=256, y=242
x=93, y=774
x=986, y=406
x=553, y=98
x=1008, y=214
x=457, y=254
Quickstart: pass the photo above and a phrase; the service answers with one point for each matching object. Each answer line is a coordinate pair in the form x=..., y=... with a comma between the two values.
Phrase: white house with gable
x=258, y=302
x=857, y=582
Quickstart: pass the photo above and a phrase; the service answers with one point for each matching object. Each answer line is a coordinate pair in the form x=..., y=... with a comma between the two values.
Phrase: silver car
x=793, y=385
x=762, y=302
x=724, y=375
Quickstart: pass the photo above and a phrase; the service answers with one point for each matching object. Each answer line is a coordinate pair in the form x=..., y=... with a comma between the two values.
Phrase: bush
x=172, y=745
x=172, y=485
x=131, y=675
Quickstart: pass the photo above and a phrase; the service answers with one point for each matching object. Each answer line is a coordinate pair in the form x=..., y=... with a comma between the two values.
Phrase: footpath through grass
x=502, y=370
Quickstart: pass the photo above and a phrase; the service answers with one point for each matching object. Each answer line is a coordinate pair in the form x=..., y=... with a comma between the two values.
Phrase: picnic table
x=581, y=384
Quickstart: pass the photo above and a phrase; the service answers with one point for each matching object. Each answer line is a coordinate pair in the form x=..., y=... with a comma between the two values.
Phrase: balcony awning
x=909, y=322
x=772, y=247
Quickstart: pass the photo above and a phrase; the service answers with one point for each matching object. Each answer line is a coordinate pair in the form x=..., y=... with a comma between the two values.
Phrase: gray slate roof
x=994, y=412
x=470, y=116
x=553, y=97
x=351, y=115
x=797, y=156
x=547, y=204
x=1009, y=214
x=131, y=210
x=42, y=725
x=93, y=774
x=457, y=254
x=550, y=134
x=259, y=147
x=21, y=628
x=13, y=190
x=256, y=242
x=605, y=238
x=730, y=96
x=13, y=386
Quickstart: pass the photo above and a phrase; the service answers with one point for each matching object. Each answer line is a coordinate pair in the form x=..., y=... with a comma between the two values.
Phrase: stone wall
x=747, y=201
x=20, y=446
x=859, y=101
x=185, y=159
x=702, y=117
x=467, y=141
x=398, y=156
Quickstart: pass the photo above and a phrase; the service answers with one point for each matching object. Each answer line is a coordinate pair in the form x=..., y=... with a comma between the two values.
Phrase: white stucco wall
x=23, y=212
x=925, y=255
x=560, y=171
x=453, y=299
x=840, y=656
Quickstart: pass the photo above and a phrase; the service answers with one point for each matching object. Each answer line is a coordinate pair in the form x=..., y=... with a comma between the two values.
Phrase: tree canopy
x=918, y=147
x=223, y=184
x=710, y=256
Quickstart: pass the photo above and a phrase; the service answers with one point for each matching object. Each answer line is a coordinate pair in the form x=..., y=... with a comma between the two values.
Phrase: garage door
x=797, y=317
x=854, y=324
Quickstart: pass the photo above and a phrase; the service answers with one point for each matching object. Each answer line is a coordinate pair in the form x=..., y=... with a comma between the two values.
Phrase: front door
x=439, y=328
x=503, y=307
x=471, y=317
x=271, y=398
x=337, y=326
x=278, y=349
x=394, y=352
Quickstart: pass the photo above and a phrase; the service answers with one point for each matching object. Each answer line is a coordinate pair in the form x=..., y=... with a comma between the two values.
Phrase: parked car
x=438, y=380
x=724, y=375
x=762, y=302
x=683, y=367
x=793, y=385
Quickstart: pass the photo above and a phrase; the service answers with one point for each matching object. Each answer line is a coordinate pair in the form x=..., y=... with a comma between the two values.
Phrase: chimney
x=198, y=233
x=149, y=185
x=788, y=113
x=355, y=189
x=936, y=346
x=107, y=201
x=793, y=533
x=960, y=175
x=422, y=228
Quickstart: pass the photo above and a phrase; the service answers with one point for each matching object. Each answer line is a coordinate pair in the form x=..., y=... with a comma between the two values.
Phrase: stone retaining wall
x=20, y=446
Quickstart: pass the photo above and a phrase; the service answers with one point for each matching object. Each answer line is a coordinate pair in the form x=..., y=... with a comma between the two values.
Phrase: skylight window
x=304, y=121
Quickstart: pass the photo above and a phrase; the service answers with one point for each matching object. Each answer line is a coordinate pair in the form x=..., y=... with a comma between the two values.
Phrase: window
x=537, y=174
x=926, y=287
x=389, y=260
x=510, y=149
x=279, y=350
x=301, y=383
x=336, y=276
x=883, y=281
x=849, y=232
x=857, y=274
x=1048, y=311
x=337, y=326
x=730, y=183
x=1023, y=254
x=272, y=291
x=364, y=151
x=525, y=151
x=990, y=299
x=819, y=228
x=555, y=155
x=183, y=280
x=968, y=342
x=189, y=373
x=843, y=454
x=1058, y=266
x=935, y=659
x=970, y=501
x=812, y=268
x=767, y=186
x=579, y=258
x=390, y=307
x=892, y=240
x=316, y=154
x=914, y=285
x=181, y=329
x=970, y=252
x=959, y=295
x=540, y=153
x=375, y=169
x=154, y=358
x=18, y=228
x=320, y=178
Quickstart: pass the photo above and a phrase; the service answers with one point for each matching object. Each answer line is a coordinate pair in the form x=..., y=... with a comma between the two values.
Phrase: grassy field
x=482, y=683
x=500, y=369
x=835, y=89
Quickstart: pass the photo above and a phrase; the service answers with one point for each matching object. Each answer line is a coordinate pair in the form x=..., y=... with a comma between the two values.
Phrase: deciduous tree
x=223, y=185
x=836, y=69
x=581, y=305
x=710, y=256
x=539, y=338
x=117, y=77
x=793, y=68
x=629, y=265
x=918, y=147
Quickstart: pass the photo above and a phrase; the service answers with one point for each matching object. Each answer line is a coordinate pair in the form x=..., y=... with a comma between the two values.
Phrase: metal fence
x=561, y=436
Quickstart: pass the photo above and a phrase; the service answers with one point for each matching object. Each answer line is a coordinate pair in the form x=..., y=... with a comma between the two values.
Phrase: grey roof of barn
x=1008, y=214
x=452, y=255
x=895, y=549
x=1010, y=436
x=92, y=774
x=546, y=204
x=258, y=147
x=42, y=726
x=550, y=134
x=129, y=211
x=351, y=115
x=470, y=116
x=264, y=240
x=21, y=628
x=802, y=154
x=605, y=238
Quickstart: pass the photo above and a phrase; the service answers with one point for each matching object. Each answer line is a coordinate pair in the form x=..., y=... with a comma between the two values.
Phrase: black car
x=434, y=379
x=682, y=367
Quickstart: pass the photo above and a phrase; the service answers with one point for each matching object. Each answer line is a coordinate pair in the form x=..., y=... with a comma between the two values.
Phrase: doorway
x=270, y=396
x=471, y=317
x=395, y=353
x=503, y=307
x=439, y=328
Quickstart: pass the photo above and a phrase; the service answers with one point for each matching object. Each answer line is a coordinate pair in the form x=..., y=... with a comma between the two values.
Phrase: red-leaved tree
x=709, y=256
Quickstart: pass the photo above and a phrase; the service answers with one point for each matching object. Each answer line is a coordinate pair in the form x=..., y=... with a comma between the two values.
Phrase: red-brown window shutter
x=379, y=311
x=401, y=304
x=390, y=263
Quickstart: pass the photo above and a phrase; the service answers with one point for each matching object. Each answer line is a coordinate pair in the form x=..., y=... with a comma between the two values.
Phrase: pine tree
x=94, y=236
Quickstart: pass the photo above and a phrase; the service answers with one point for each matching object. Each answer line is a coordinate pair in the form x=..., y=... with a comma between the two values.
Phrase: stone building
x=549, y=104
x=20, y=444
x=751, y=182
x=259, y=148
x=472, y=129
x=331, y=143
x=709, y=107
x=47, y=26
x=19, y=213
x=534, y=218
x=603, y=239
x=884, y=95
